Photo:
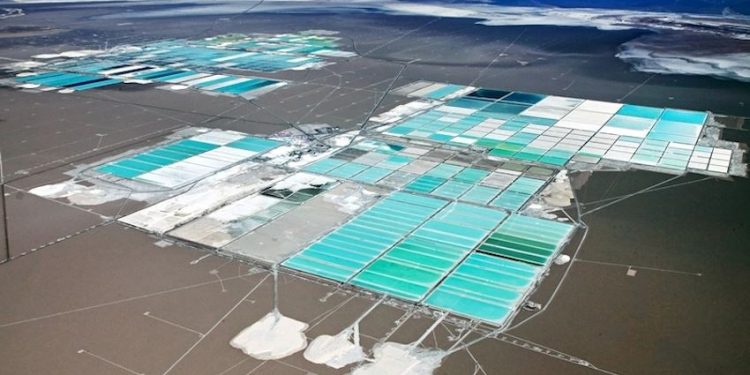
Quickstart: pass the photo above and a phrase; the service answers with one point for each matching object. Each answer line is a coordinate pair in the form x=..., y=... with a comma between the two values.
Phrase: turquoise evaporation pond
x=368, y=173
x=480, y=194
x=299, y=44
x=62, y=79
x=145, y=162
x=527, y=239
x=255, y=144
x=247, y=85
x=631, y=122
x=444, y=91
x=86, y=65
x=169, y=52
x=345, y=251
x=176, y=76
x=95, y=84
x=428, y=124
x=444, y=180
x=510, y=139
x=674, y=131
x=162, y=74
x=134, y=166
x=675, y=158
x=74, y=81
x=640, y=111
x=525, y=98
x=518, y=193
x=216, y=81
x=485, y=287
x=415, y=265
x=427, y=255
x=467, y=102
x=649, y=152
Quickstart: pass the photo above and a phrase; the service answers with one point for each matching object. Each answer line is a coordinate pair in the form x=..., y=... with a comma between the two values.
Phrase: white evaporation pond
x=207, y=195
x=217, y=228
x=286, y=235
